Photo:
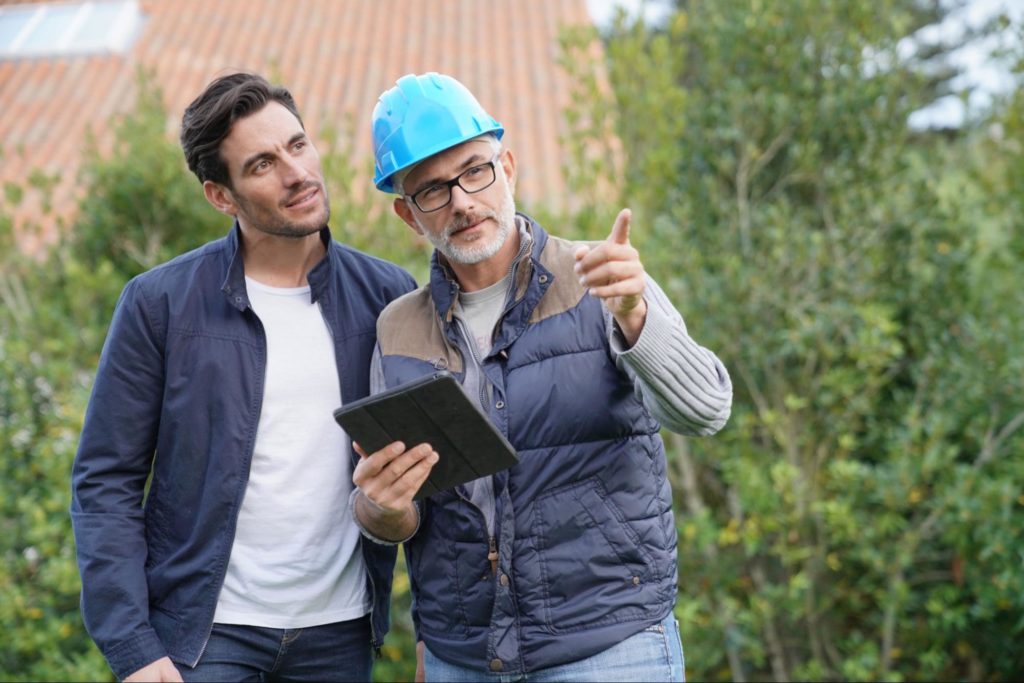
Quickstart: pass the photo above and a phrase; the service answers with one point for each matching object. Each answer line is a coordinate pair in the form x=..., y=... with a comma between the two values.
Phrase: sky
x=985, y=76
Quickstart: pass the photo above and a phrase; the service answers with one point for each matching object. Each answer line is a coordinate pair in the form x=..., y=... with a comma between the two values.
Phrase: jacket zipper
x=373, y=599
x=263, y=332
x=373, y=586
x=509, y=300
x=471, y=345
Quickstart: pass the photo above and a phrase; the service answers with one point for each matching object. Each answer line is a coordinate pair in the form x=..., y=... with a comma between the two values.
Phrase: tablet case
x=433, y=409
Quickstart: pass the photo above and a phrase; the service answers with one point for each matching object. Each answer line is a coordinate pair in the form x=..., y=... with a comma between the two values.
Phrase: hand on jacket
x=160, y=671
x=613, y=272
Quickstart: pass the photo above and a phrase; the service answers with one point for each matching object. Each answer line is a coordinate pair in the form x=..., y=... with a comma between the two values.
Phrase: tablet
x=432, y=409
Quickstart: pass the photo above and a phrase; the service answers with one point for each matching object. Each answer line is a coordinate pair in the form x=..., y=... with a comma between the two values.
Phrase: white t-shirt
x=295, y=561
x=481, y=310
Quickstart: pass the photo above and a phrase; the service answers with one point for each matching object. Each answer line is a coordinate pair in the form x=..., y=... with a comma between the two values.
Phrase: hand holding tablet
x=434, y=410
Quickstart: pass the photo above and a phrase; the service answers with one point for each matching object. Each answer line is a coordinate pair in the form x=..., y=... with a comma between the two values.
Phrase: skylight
x=68, y=29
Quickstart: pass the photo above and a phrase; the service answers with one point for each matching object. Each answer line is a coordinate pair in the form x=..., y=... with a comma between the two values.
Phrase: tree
x=842, y=265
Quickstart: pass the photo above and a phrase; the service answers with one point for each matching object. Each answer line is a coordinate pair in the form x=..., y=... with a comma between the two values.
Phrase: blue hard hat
x=421, y=116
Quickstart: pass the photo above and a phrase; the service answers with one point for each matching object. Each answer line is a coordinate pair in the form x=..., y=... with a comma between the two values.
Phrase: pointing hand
x=613, y=272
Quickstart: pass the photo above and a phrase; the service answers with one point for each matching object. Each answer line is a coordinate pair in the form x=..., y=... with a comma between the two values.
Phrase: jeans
x=332, y=652
x=654, y=654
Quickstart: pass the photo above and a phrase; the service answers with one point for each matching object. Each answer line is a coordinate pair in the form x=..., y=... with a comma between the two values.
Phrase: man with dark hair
x=563, y=567
x=217, y=383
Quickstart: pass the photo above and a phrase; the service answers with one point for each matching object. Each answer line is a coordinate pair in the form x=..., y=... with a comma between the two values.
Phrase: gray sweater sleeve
x=684, y=385
x=377, y=385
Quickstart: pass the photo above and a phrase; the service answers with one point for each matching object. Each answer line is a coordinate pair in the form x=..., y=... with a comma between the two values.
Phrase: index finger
x=378, y=460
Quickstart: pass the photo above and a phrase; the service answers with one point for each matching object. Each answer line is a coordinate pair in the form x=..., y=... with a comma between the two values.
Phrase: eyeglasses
x=437, y=196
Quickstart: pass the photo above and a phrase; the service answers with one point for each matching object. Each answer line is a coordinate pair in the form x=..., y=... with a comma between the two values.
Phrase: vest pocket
x=592, y=563
x=454, y=587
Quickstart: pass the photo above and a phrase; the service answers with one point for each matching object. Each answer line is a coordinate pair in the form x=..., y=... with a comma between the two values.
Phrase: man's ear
x=401, y=208
x=508, y=164
x=220, y=198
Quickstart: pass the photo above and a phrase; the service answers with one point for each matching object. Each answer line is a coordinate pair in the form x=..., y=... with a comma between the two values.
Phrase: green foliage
x=856, y=519
x=141, y=208
x=860, y=517
x=361, y=217
x=48, y=338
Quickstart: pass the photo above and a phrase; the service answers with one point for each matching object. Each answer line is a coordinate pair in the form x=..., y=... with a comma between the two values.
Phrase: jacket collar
x=233, y=287
x=444, y=288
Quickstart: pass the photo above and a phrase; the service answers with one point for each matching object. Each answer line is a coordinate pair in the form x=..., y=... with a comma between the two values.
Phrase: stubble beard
x=272, y=223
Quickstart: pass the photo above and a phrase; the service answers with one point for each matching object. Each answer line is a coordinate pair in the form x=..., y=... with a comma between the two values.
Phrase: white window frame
x=120, y=33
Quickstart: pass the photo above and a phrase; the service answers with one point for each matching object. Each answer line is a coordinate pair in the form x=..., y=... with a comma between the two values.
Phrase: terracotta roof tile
x=336, y=56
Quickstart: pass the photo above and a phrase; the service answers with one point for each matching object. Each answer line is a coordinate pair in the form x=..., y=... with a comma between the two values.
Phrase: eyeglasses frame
x=455, y=182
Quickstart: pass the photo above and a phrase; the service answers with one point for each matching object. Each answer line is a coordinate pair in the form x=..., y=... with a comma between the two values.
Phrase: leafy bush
x=861, y=515
x=857, y=518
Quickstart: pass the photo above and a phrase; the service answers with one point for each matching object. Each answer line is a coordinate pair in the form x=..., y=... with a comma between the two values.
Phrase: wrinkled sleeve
x=684, y=385
x=109, y=475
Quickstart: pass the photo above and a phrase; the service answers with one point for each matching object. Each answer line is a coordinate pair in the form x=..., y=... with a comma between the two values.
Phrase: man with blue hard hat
x=562, y=567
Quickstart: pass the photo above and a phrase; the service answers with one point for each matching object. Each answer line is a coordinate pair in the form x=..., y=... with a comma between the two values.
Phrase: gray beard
x=472, y=254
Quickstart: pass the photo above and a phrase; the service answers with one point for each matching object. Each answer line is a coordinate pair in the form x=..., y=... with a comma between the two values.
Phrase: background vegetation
x=860, y=518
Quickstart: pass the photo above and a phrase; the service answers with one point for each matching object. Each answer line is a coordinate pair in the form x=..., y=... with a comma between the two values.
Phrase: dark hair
x=208, y=120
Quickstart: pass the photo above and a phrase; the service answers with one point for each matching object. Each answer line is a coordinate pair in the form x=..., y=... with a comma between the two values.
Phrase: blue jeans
x=654, y=654
x=332, y=652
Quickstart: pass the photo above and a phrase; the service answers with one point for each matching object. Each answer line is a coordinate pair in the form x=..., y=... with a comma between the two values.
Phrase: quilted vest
x=584, y=532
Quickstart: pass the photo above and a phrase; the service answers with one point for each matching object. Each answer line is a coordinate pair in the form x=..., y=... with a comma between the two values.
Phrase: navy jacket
x=179, y=391
x=584, y=531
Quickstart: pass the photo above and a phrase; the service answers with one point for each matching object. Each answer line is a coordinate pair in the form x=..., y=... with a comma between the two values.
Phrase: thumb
x=620, y=231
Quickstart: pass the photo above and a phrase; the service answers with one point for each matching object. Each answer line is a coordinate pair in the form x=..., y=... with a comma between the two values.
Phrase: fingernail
x=434, y=457
x=397, y=448
x=583, y=281
x=577, y=267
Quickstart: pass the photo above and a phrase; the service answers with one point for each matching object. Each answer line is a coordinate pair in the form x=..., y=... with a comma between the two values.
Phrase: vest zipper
x=524, y=247
x=492, y=546
x=492, y=554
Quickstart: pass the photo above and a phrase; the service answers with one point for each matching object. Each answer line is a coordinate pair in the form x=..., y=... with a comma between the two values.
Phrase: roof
x=336, y=57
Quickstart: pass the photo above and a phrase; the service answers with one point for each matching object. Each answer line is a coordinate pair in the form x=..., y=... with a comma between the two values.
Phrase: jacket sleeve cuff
x=367, y=533
x=135, y=653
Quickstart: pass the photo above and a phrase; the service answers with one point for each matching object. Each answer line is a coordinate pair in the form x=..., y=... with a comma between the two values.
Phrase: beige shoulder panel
x=409, y=326
x=566, y=291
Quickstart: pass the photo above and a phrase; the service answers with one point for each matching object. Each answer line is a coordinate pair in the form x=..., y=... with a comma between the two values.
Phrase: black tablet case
x=432, y=409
